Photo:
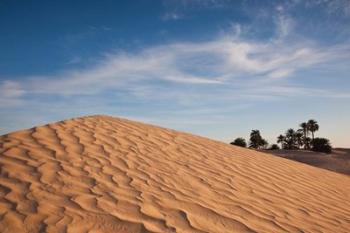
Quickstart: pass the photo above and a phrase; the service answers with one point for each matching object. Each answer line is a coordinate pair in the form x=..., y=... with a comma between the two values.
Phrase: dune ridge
x=105, y=174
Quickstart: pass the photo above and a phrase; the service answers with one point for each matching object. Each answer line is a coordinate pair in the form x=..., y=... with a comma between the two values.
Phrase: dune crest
x=104, y=174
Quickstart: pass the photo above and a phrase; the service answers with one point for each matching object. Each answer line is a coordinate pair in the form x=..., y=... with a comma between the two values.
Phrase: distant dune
x=104, y=174
x=337, y=161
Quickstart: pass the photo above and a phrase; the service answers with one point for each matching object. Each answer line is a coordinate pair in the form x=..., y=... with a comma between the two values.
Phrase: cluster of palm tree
x=298, y=139
x=293, y=139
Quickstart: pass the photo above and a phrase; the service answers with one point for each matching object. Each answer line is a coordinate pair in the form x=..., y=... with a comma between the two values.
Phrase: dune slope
x=104, y=174
x=337, y=161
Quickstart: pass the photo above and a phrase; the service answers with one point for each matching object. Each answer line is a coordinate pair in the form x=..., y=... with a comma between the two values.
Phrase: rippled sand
x=104, y=174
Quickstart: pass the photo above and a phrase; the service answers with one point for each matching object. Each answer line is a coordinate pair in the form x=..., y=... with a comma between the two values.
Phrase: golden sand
x=104, y=174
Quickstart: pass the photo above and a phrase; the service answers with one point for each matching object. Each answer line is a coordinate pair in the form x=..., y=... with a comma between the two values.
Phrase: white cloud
x=219, y=62
x=332, y=6
x=171, y=16
x=284, y=24
x=11, y=89
x=74, y=60
x=280, y=73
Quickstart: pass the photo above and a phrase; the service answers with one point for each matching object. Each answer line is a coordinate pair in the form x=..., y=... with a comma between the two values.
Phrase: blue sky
x=216, y=68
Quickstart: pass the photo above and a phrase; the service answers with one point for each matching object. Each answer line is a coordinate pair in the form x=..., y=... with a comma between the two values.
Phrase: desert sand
x=337, y=161
x=104, y=174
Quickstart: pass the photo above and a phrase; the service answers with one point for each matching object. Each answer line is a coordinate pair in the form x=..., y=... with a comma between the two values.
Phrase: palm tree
x=305, y=129
x=307, y=142
x=255, y=139
x=313, y=127
x=299, y=138
x=290, y=139
x=281, y=139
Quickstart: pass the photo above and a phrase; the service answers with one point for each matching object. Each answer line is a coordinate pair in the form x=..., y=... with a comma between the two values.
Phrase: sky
x=215, y=68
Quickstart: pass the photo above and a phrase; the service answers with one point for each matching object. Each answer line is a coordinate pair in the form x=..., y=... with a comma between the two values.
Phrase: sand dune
x=104, y=174
x=337, y=161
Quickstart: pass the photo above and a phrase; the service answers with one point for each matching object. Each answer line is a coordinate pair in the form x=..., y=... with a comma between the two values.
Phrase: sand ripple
x=104, y=174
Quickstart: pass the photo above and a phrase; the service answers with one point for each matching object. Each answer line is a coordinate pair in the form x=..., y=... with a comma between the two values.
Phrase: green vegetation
x=321, y=145
x=313, y=127
x=291, y=140
x=256, y=141
x=299, y=139
x=274, y=147
x=239, y=142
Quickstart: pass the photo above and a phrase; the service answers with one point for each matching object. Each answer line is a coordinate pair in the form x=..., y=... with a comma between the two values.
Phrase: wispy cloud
x=284, y=23
x=11, y=89
x=171, y=16
x=228, y=66
x=332, y=6
x=220, y=61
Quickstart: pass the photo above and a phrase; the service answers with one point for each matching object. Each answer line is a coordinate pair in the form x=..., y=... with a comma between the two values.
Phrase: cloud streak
x=222, y=61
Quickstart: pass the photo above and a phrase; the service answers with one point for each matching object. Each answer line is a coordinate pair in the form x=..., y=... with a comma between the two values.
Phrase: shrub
x=321, y=145
x=274, y=147
x=239, y=142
